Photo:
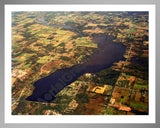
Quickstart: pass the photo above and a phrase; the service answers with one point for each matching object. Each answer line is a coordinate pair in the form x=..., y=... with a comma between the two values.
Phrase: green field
x=138, y=106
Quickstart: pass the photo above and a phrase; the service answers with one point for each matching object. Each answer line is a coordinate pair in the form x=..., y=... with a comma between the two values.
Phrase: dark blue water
x=47, y=87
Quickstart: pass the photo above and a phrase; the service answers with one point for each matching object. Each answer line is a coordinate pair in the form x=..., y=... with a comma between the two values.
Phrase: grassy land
x=138, y=106
x=138, y=86
x=16, y=59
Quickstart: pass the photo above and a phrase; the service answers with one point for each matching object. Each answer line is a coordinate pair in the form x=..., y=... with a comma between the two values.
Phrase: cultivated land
x=43, y=42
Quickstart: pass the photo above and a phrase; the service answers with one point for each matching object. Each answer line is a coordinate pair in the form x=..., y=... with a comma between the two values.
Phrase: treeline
x=106, y=76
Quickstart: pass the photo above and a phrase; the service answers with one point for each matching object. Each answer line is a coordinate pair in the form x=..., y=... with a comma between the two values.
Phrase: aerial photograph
x=80, y=63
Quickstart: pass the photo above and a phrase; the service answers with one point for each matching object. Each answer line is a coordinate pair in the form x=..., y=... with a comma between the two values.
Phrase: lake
x=106, y=54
